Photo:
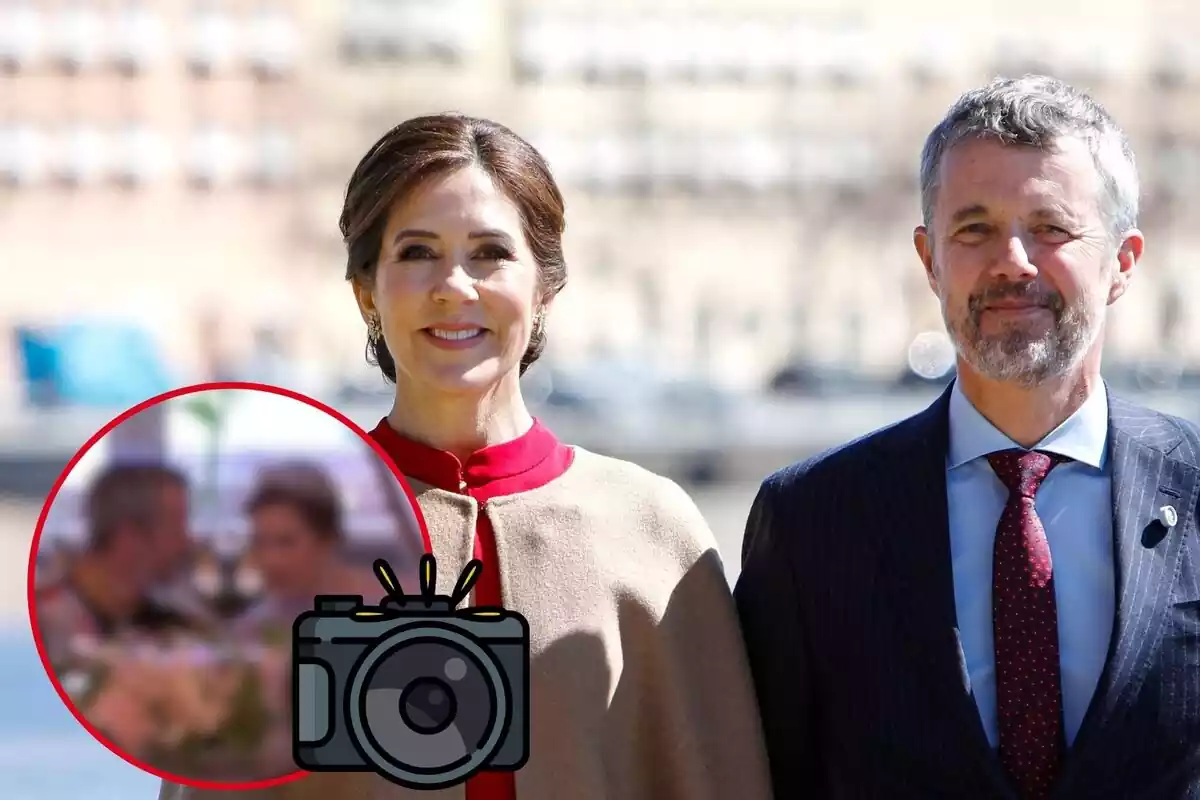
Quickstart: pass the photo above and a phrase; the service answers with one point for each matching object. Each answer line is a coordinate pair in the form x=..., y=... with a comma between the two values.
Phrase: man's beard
x=1017, y=354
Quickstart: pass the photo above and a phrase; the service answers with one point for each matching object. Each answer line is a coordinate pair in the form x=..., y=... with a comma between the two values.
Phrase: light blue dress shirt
x=1075, y=506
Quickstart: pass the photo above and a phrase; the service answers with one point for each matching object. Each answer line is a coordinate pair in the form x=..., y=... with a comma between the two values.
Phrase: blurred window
x=451, y=28
x=141, y=155
x=563, y=156
x=1176, y=63
x=761, y=163
x=935, y=57
x=850, y=57
x=850, y=163
x=274, y=159
x=215, y=157
x=78, y=37
x=83, y=155
x=707, y=56
x=23, y=151
x=671, y=159
x=273, y=40
x=22, y=28
x=1178, y=168
x=663, y=48
x=213, y=42
x=613, y=163
x=807, y=52
x=139, y=38
x=612, y=49
x=712, y=166
x=385, y=30
x=761, y=51
x=534, y=47
x=361, y=26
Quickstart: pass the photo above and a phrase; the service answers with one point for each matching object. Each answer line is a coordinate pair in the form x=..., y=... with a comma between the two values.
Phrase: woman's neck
x=461, y=424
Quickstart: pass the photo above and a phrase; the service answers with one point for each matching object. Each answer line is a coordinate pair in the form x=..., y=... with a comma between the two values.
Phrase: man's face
x=132, y=557
x=1021, y=257
x=172, y=537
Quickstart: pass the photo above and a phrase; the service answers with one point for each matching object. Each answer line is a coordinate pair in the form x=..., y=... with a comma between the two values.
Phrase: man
x=172, y=549
x=1000, y=596
x=107, y=588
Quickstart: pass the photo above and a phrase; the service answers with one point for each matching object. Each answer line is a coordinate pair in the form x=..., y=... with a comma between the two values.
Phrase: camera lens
x=427, y=705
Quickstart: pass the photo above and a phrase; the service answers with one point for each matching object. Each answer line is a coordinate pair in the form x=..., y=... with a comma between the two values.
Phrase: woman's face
x=456, y=286
x=287, y=552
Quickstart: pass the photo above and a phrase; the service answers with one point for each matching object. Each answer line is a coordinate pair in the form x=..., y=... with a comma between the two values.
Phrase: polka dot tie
x=1025, y=626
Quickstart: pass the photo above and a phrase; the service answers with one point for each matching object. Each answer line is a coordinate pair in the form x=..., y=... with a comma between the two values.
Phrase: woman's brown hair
x=424, y=147
x=305, y=488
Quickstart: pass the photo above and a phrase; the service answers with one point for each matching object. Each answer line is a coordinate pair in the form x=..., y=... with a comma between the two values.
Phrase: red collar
x=529, y=454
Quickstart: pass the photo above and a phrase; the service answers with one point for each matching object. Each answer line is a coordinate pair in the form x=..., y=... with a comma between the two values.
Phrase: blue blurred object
x=44, y=753
x=90, y=364
x=39, y=361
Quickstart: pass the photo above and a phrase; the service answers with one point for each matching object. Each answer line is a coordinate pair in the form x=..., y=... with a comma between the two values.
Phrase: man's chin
x=1028, y=328
x=1025, y=373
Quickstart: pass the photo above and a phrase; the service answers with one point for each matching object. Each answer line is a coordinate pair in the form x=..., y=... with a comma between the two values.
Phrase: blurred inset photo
x=175, y=556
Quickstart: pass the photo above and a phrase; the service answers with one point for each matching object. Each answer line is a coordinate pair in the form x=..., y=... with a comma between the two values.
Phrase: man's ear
x=923, y=242
x=1129, y=253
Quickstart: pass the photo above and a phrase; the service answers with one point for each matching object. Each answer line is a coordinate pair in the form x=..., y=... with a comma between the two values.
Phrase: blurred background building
x=741, y=185
x=741, y=188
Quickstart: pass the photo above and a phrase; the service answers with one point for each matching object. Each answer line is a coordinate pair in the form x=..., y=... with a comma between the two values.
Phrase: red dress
x=532, y=460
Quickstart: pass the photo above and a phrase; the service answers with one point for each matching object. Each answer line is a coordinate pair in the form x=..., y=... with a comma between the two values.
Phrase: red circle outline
x=31, y=589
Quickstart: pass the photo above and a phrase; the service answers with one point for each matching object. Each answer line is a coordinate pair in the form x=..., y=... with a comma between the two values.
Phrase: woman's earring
x=374, y=329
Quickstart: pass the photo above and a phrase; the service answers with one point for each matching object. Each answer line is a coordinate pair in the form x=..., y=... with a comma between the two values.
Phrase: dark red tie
x=1025, y=626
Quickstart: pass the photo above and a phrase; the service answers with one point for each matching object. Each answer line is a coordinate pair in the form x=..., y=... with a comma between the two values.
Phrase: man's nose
x=1013, y=260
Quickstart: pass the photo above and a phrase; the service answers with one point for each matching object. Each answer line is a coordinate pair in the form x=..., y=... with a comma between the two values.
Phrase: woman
x=296, y=536
x=639, y=687
x=295, y=517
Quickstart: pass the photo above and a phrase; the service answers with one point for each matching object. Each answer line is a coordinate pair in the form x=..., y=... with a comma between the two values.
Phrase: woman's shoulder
x=607, y=485
x=590, y=466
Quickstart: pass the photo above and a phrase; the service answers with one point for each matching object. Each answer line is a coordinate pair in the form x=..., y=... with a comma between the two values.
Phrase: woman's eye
x=415, y=252
x=495, y=253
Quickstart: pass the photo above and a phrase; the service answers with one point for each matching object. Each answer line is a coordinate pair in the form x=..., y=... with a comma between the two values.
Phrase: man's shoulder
x=1175, y=436
x=849, y=460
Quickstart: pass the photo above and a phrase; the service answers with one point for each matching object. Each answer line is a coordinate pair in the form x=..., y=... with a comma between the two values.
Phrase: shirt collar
x=444, y=470
x=1082, y=437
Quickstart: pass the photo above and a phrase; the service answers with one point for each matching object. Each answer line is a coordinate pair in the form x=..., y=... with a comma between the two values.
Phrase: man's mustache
x=1027, y=292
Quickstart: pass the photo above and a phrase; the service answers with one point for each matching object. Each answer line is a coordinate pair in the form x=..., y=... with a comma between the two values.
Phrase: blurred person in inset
x=296, y=547
x=997, y=597
x=108, y=588
x=639, y=686
x=172, y=552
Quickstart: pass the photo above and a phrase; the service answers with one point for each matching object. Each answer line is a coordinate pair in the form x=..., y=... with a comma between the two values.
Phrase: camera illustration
x=417, y=690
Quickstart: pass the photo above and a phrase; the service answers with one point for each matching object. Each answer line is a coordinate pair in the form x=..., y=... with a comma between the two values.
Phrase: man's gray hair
x=1035, y=111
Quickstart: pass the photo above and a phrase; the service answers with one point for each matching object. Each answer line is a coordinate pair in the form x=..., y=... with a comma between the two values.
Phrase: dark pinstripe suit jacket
x=847, y=603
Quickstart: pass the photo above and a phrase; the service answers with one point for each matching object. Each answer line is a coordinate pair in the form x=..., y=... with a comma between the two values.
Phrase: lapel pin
x=1167, y=516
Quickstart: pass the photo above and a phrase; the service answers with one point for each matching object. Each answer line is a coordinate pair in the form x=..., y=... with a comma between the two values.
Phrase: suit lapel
x=919, y=574
x=1146, y=557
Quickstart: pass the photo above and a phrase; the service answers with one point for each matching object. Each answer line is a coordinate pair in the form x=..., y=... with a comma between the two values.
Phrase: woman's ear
x=365, y=299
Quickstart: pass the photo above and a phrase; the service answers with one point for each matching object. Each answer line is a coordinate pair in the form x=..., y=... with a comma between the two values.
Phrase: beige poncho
x=639, y=686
